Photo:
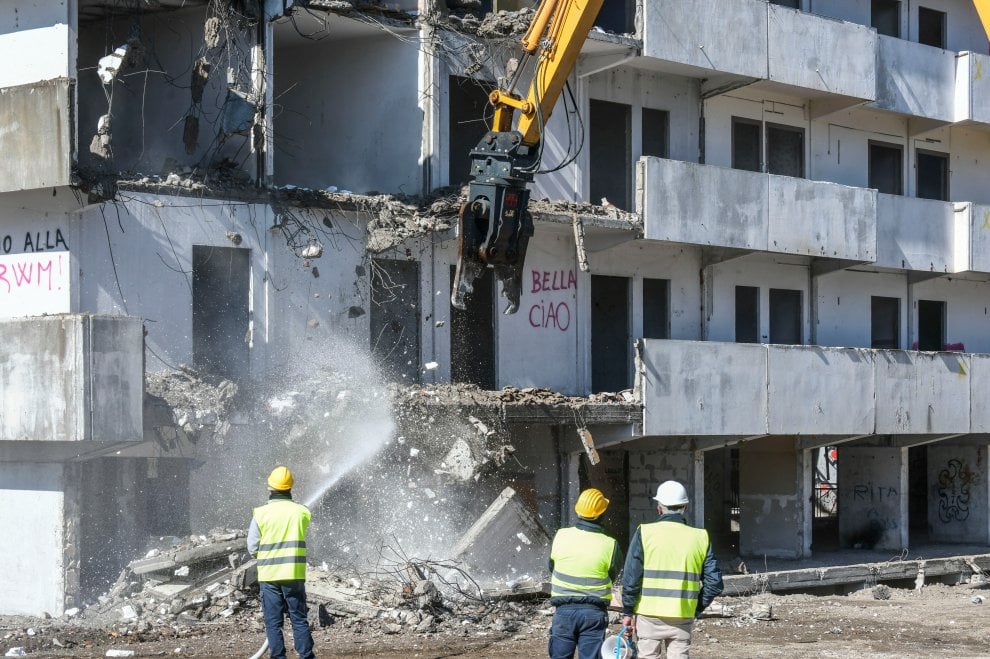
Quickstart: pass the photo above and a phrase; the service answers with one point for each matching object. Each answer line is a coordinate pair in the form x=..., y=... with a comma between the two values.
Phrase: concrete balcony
x=916, y=80
x=38, y=120
x=68, y=379
x=686, y=202
x=973, y=237
x=972, y=103
x=701, y=389
x=747, y=41
x=921, y=234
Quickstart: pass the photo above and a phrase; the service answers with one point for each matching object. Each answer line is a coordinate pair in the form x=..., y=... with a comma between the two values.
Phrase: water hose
x=261, y=650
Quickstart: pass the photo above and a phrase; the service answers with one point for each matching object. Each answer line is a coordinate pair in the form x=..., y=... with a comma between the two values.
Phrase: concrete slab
x=507, y=542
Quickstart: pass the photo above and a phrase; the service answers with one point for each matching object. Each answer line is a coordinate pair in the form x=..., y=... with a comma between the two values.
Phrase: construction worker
x=277, y=538
x=670, y=577
x=584, y=561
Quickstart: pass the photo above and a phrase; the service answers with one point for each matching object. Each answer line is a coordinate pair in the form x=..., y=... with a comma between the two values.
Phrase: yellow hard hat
x=591, y=504
x=280, y=479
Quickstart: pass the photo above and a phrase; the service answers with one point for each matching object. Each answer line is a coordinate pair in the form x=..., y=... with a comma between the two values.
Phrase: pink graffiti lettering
x=558, y=280
x=36, y=274
x=556, y=315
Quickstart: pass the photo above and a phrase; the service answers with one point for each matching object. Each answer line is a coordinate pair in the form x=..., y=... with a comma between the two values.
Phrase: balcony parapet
x=916, y=80
x=686, y=202
x=701, y=388
x=747, y=41
x=972, y=102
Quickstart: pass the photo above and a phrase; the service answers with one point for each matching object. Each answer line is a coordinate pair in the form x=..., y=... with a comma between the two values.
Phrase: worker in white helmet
x=670, y=577
x=277, y=538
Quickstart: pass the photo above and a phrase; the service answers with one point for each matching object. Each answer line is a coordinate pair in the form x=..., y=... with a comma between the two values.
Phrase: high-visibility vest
x=282, y=548
x=673, y=564
x=581, y=560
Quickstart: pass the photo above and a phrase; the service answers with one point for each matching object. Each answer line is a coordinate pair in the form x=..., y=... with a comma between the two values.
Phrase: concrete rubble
x=182, y=584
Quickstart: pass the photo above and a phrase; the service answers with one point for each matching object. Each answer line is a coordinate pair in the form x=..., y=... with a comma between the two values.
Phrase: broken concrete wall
x=774, y=499
x=873, y=497
x=353, y=121
x=167, y=91
x=648, y=467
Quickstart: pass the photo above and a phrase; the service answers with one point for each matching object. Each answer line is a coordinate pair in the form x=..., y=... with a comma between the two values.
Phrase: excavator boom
x=495, y=225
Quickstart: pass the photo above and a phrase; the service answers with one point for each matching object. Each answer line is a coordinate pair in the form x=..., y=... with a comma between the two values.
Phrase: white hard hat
x=671, y=493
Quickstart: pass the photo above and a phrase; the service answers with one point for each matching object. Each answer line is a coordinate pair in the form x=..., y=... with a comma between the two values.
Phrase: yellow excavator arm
x=983, y=9
x=495, y=225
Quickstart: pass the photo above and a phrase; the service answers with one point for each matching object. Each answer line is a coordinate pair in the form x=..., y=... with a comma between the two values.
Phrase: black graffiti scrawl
x=954, y=483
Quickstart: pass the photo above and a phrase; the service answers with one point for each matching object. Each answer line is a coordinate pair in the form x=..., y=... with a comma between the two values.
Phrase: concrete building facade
x=775, y=237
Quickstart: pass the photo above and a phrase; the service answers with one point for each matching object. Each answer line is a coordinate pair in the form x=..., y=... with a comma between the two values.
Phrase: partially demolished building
x=772, y=242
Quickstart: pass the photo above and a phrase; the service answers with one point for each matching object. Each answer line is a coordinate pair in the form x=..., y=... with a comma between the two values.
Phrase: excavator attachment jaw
x=495, y=226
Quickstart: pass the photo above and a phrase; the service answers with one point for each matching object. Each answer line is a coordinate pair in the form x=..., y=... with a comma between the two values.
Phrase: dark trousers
x=578, y=627
x=276, y=598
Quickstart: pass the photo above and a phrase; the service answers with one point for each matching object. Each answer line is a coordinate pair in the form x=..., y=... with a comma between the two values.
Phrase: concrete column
x=34, y=529
x=649, y=468
x=958, y=494
x=873, y=497
x=774, y=487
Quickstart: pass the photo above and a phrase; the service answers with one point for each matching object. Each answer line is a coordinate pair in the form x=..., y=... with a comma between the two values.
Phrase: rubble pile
x=190, y=402
x=182, y=584
x=468, y=395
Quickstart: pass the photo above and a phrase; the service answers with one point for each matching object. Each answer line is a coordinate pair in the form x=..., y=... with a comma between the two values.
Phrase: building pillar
x=958, y=494
x=35, y=533
x=873, y=497
x=774, y=496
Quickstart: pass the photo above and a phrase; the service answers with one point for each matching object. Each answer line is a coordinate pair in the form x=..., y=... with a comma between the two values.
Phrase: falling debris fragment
x=109, y=66
x=589, y=445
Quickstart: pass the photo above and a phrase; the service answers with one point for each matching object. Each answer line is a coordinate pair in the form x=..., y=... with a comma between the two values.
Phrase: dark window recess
x=785, y=316
x=221, y=280
x=610, y=342
x=931, y=325
x=616, y=16
x=885, y=17
x=656, y=308
x=746, y=144
x=785, y=150
x=747, y=314
x=472, y=334
x=933, y=175
x=885, y=322
x=611, y=153
x=469, y=111
x=796, y=4
x=886, y=165
x=931, y=27
x=395, y=318
x=656, y=133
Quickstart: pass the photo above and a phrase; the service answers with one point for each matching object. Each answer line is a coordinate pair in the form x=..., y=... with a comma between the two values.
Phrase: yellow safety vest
x=581, y=560
x=673, y=564
x=282, y=548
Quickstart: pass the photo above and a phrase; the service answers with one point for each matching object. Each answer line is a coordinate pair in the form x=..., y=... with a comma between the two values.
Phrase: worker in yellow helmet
x=584, y=561
x=277, y=538
x=669, y=578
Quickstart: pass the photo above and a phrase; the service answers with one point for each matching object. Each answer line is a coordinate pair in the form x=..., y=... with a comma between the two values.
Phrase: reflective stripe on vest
x=673, y=563
x=282, y=548
x=581, y=560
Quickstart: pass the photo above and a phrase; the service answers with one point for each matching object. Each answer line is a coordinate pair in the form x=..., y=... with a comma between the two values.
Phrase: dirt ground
x=945, y=621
